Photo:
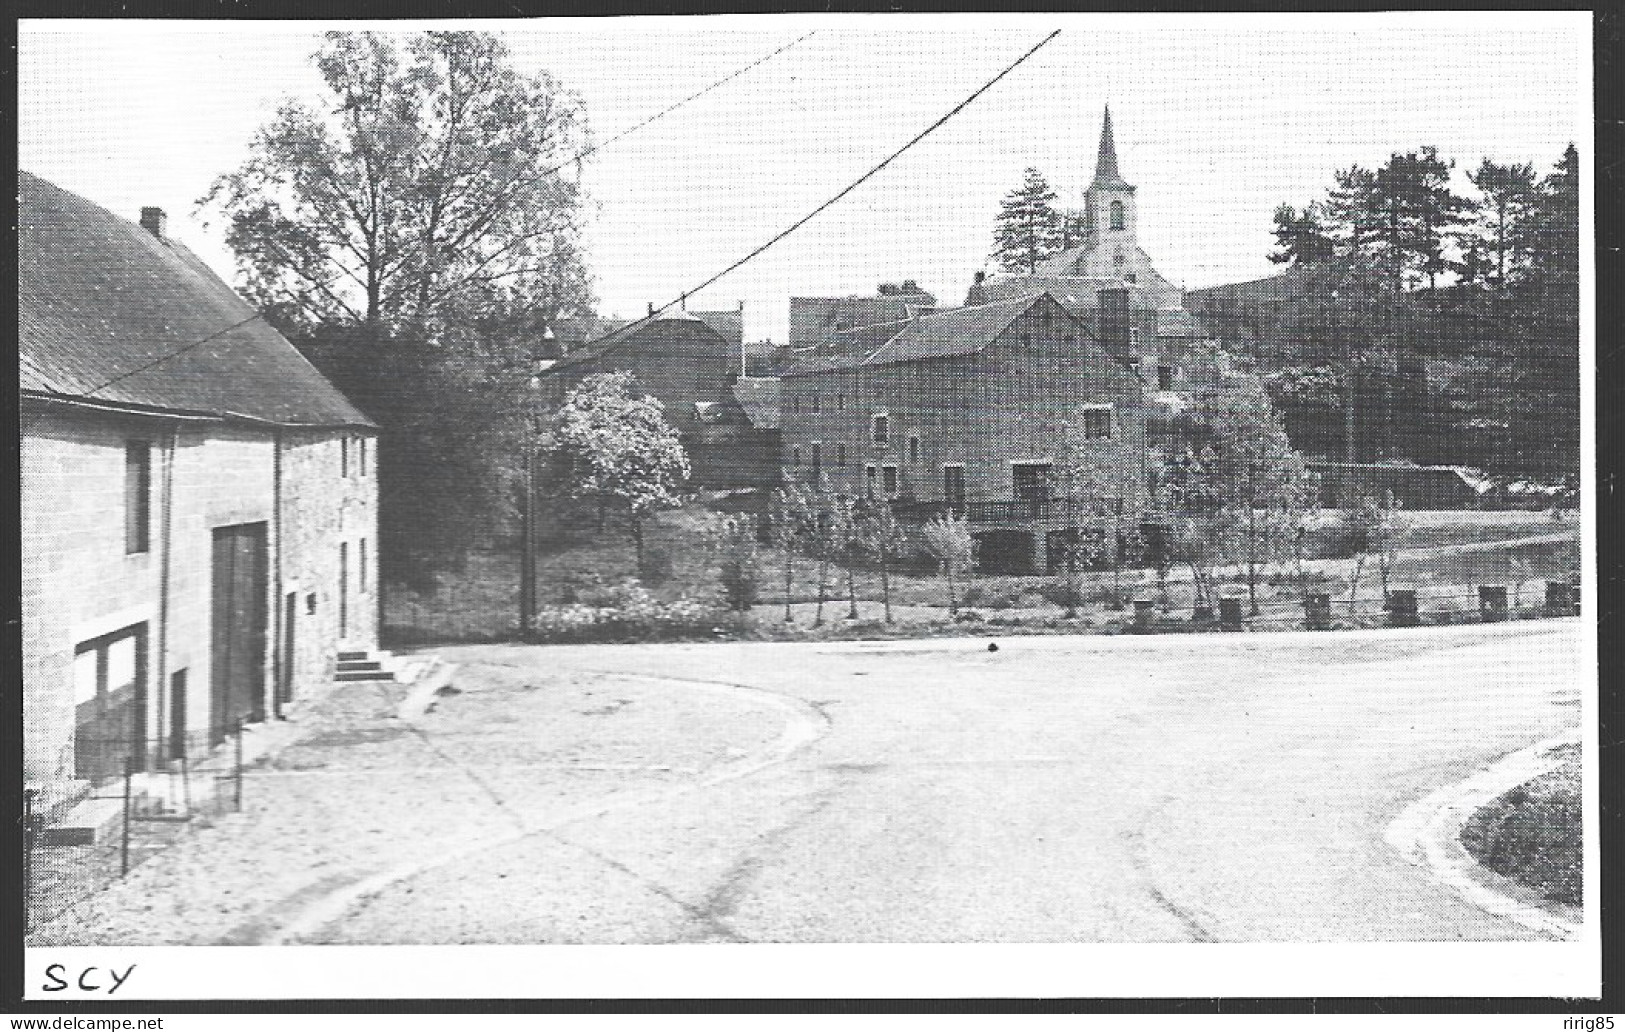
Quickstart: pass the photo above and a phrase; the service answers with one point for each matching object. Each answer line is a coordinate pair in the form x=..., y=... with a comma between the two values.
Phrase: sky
x=1218, y=119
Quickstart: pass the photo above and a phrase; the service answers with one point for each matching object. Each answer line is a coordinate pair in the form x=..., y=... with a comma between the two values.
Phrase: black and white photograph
x=809, y=505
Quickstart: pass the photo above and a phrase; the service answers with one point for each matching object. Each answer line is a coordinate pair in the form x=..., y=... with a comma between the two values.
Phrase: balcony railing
x=1017, y=510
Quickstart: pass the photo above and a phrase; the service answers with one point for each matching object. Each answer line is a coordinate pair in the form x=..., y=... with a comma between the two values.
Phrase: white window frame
x=880, y=440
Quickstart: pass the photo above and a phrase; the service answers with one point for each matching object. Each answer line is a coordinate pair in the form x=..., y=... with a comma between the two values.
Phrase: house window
x=869, y=481
x=1097, y=421
x=840, y=402
x=1117, y=215
x=361, y=443
x=1133, y=336
x=137, y=495
x=1117, y=259
x=344, y=456
x=888, y=480
x=361, y=565
x=817, y=458
x=913, y=447
x=795, y=456
x=1132, y=278
x=815, y=401
x=1165, y=378
x=840, y=455
x=878, y=429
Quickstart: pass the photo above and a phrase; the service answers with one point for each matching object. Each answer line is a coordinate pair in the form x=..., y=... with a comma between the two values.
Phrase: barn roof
x=1077, y=294
x=661, y=327
x=109, y=314
x=955, y=331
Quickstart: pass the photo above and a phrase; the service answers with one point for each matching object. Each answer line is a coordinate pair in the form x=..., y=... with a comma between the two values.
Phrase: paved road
x=1165, y=789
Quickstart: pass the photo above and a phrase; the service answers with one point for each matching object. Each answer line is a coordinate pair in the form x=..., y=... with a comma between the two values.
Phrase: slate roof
x=1106, y=174
x=813, y=319
x=954, y=331
x=730, y=324
x=109, y=314
x=637, y=329
x=1283, y=286
x=1077, y=294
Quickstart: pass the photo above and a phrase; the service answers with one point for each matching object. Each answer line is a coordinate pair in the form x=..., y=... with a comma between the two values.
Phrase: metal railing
x=81, y=844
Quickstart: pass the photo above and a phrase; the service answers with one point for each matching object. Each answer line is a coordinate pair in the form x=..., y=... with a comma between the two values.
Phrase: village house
x=681, y=359
x=1109, y=283
x=199, y=505
x=963, y=411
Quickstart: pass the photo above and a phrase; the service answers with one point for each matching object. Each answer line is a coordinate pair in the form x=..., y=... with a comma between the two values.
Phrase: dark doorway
x=344, y=590
x=1031, y=486
x=290, y=613
x=1005, y=551
x=237, y=638
x=177, y=715
x=953, y=488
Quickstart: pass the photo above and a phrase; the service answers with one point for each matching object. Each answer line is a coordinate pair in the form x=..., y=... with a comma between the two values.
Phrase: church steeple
x=1106, y=174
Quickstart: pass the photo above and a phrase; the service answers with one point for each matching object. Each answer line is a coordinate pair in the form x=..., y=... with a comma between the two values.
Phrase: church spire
x=1106, y=173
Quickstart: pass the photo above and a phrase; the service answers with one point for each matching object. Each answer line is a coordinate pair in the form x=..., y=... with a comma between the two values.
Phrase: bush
x=741, y=583
x=656, y=565
x=625, y=612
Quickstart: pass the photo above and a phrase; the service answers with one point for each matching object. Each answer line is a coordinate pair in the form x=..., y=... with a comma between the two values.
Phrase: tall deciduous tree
x=616, y=448
x=883, y=538
x=430, y=175
x=948, y=540
x=1255, y=485
x=1029, y=227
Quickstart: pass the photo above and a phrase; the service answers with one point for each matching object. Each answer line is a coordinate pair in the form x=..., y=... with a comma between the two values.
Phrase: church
x=1164, y=340
x=1110, y=249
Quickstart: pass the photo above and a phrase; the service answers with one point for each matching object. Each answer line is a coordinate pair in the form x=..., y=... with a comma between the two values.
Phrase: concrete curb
x=434, y=675
x=1427, y=833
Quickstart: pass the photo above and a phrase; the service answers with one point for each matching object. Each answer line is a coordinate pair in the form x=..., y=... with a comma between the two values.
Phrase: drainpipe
x=277, y=673
x=165, y=524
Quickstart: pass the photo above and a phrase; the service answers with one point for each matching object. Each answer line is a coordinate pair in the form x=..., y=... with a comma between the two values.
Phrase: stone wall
x=79, y=582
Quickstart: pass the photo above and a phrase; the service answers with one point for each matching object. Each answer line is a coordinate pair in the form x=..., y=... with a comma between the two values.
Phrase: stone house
x=963, y=410
x=681, y=359
x=199, y=507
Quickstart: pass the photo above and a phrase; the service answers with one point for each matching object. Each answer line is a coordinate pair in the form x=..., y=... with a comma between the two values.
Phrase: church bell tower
x=1108, y=205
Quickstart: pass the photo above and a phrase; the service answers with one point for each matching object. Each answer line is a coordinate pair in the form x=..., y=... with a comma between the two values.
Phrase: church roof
x=1106, y=173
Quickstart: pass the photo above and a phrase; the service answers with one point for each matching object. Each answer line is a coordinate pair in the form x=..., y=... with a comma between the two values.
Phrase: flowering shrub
x=625, y=612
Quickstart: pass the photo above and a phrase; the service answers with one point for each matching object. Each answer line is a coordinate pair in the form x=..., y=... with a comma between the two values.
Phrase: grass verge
x=1532, y=834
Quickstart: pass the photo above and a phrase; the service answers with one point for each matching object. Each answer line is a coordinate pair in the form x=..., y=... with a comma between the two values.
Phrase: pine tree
x=1503, y=223
x=1301, y=238
x=1029, y=227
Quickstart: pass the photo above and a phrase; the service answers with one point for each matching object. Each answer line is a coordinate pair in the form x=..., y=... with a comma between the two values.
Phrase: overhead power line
x=168, y=356
x=661, y=114
x=893, y=156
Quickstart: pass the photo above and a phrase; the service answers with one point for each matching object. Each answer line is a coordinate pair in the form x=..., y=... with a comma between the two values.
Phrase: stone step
x=88, y=824
x=345, y=654
x=360, y=664
x=364, y=675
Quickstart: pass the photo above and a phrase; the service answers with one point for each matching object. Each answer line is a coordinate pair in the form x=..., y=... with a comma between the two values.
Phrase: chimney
x=154, y=221
x=651, y=309
x=981, y=277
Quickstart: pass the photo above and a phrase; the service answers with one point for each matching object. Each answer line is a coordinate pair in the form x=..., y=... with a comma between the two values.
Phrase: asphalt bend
x=1161, y=789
